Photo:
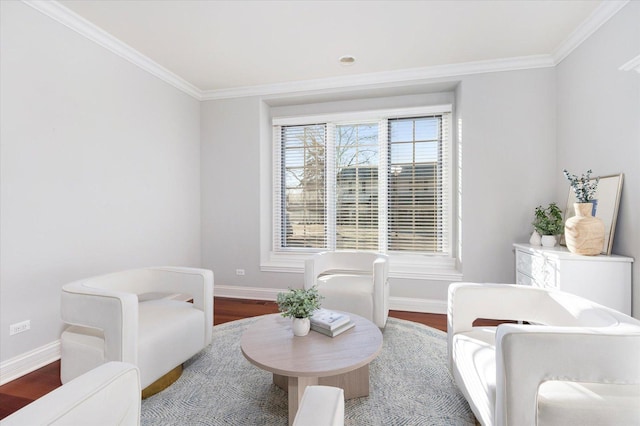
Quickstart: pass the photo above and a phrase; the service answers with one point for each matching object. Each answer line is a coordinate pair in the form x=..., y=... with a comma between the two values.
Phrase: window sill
x=417, y=267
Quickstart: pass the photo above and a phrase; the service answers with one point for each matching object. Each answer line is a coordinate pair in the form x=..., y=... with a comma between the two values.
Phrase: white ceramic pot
x=548, y=240
x=535, y=239
x=301, y=326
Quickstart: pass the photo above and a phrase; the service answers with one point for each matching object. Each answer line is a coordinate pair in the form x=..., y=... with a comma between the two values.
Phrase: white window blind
x=418, y=200
x=301, y=187
x=356, y=159
x=380, y=184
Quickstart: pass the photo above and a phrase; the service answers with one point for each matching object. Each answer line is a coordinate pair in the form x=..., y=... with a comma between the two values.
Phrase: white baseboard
x=255, y=293
x=20, y=365
x=433, y=306
x=428, y=306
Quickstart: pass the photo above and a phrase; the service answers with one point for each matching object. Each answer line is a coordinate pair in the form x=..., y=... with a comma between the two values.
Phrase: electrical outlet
x=19, y=327
x=239, y=271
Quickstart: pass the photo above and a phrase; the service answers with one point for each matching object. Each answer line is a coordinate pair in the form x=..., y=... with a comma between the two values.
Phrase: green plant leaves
x=583, y=186
x=298, y=302
x=548, y=221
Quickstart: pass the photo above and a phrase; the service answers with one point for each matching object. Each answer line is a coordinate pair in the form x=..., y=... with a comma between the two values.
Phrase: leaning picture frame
x=608, y=201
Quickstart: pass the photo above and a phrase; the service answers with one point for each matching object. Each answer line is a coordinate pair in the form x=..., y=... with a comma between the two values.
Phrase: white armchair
x=112, y=318
x=321, y=406
x=351, y=281
x=108, y=395
x=578, y=365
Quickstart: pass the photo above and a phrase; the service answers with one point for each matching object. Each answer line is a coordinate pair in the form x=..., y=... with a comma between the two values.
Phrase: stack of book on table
x=330, y=323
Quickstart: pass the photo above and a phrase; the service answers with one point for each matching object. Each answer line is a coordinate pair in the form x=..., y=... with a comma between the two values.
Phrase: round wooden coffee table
x=298, y=362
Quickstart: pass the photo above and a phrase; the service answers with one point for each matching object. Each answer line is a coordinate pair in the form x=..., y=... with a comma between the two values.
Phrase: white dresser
x=603, y=279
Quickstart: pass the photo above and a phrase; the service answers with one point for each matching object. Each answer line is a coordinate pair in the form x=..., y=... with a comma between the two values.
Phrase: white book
x=333, y=333
x=329, y=320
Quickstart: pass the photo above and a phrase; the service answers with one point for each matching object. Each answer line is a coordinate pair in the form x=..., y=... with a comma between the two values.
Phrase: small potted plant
x=299, y=304
x=548, y=223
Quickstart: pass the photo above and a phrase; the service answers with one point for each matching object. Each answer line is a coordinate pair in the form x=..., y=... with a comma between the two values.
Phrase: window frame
x=402, y=265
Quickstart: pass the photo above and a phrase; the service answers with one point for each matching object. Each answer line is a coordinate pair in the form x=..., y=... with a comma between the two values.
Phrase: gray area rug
x=409, y=385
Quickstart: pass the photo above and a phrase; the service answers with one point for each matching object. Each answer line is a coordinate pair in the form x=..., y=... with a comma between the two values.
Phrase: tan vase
x=584, y=233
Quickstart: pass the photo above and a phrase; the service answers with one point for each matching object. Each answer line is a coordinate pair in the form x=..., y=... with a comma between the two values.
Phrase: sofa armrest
x=380, y=290
x=321, y=406
x=113, y=312
x=107, y=395
x=193, y=281
x=314, y=267
x=524, y=361
x=469, y=301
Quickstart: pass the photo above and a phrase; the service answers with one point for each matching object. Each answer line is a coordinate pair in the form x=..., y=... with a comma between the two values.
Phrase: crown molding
x=72, y=20
x=387, y=78
x=89, y=30
x=598, y=17
x=633, y=64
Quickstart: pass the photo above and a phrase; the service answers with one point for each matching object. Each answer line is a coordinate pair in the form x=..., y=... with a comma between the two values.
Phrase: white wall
x=230, y=164
x=599, y=122
x=99, y=170
x=508, y=150
x=508, y=166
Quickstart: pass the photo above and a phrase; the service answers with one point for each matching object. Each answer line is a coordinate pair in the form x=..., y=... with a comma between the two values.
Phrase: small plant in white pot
x=548, y=223
x=299, y=304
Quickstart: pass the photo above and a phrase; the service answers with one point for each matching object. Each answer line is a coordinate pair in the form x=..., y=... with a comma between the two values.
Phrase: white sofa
x=123, y=317
x=108, y=395
x=576, y=363
x=321, y=406
x=351, y=281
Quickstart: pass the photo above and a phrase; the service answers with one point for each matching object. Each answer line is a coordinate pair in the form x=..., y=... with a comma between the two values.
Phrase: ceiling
x=222, y=45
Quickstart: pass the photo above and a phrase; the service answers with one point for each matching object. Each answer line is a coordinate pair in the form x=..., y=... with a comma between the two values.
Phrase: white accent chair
x=321, y=406
x=576, y=363
x=108, y=395
x=113, y=318
x=351, y=281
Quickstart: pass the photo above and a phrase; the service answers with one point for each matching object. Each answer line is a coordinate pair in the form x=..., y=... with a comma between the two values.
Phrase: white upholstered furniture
x=351, y=281
x=321, y=406
x=108, y=395
x=579, y=365
x=123, y=317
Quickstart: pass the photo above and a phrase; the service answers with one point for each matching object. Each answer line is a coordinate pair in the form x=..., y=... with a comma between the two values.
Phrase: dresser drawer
x=524, y=262
x=541, y=271
x=523, y=279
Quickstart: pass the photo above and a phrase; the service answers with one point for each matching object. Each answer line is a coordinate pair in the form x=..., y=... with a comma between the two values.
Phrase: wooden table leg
x=281, y=381
x=296, y=388
x=355, y=383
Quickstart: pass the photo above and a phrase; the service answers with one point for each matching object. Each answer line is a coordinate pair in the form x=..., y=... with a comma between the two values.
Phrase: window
x=303, y=187
x=368, y=181
x=356, y=182
x=417, y=219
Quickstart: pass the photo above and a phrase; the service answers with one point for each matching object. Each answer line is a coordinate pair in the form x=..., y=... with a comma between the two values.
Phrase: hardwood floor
x=20, y=392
